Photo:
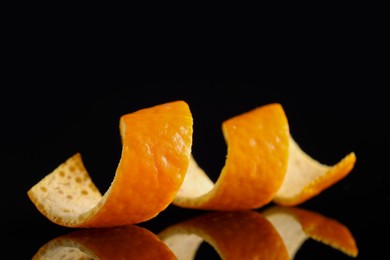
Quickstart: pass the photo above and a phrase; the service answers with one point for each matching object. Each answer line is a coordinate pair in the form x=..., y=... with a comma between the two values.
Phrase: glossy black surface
x=41, y=128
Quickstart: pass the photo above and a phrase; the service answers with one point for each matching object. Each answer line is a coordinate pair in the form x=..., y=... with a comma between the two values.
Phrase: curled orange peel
x=255, y=166
x=156, y=148
x=263, y=164
x=125, y=242
x=306, y=177
x=234, y=235
x=296, y=225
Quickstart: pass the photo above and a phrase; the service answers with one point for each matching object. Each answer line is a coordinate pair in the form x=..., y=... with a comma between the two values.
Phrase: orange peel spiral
x=263, y=164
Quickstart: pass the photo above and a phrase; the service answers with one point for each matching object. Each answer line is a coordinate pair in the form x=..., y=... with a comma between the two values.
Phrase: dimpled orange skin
x=155, y=155
x=234, y=235
x=126, y=242
x=257, y=156
x=156, y=149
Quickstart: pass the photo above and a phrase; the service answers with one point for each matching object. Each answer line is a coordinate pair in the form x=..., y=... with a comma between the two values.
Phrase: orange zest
x=263, y=164
x=255, y=165
x=125, y=242
x=156, y=148
x=233, y=235
x=306, y=177
x=297, y=225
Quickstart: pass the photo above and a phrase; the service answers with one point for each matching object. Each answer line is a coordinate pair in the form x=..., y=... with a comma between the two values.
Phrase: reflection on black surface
x=276, y=233
x=296, y=225
x=127, y=242
x=234, y=235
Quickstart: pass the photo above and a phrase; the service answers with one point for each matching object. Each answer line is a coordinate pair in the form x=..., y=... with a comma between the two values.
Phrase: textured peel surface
x=156, y=149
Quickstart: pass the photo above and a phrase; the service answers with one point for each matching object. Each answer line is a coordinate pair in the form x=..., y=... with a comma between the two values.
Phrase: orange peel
x=307, y=177
x=124, y=242
x=263, y=164
x=156, y=148
x=296, y=225
x=233, y=235
x=255, y=165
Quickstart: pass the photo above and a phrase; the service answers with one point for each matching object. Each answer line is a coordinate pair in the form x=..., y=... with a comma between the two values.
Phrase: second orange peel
x=256, y=163
x=263, y=164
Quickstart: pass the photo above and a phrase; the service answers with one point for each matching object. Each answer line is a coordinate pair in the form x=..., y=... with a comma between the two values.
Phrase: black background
x=330, y=113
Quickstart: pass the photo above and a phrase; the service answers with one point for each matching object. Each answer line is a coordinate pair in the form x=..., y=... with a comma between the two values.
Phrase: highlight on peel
x=263, y=164
x=125, y=242
x=156, y=148
x=296, y=225
x=233, y=235
x=256, y=162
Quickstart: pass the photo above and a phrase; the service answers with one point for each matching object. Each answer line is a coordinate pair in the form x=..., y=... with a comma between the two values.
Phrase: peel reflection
x=276, y=233
x=126, y=242
x=234, y=235
x=297, y=225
